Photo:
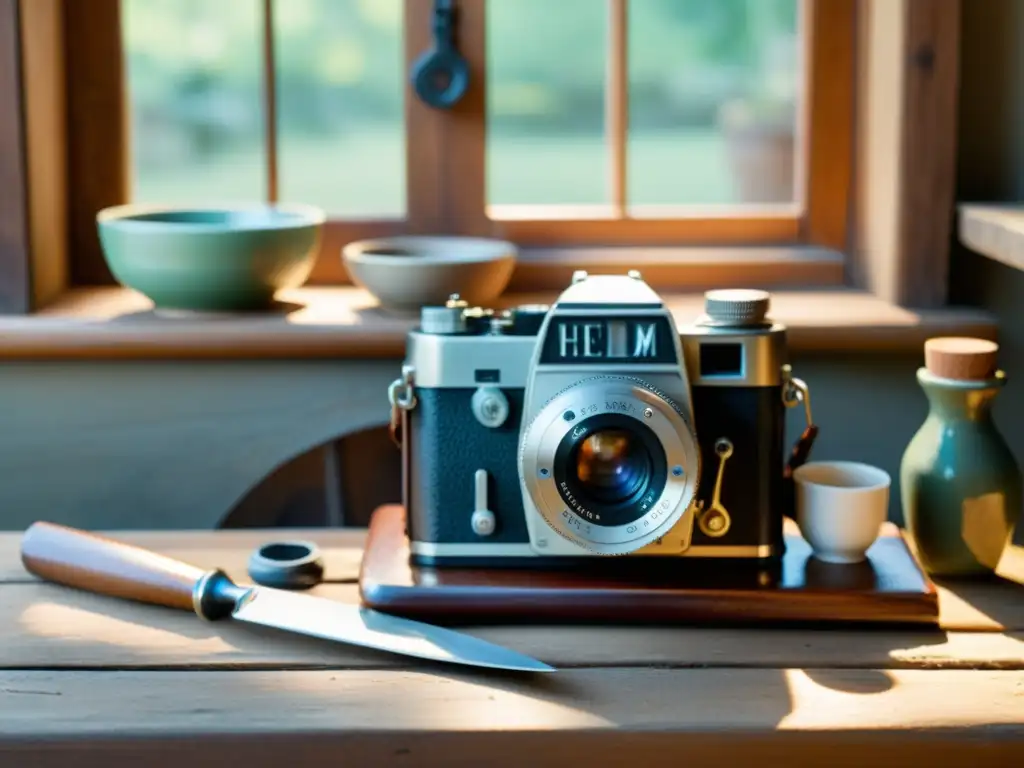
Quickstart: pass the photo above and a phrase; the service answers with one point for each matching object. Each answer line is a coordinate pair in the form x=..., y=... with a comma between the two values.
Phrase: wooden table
x=100, y=680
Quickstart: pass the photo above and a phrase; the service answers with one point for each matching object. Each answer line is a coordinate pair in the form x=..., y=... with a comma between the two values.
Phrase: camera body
x=542, y=435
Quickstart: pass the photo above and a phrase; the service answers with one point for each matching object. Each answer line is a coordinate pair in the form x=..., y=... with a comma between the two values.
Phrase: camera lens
x=598, y=464
x=607, y=466
x=611, y=466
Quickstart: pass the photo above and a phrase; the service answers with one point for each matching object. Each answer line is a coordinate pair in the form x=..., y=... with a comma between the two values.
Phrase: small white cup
x=840, y=506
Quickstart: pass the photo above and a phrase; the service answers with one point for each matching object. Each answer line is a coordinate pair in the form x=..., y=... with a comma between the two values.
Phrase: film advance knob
x=443, y=321
x=737, y=306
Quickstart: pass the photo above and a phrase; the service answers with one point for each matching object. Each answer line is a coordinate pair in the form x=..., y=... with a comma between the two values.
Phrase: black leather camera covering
x=448, y=445
x=753, y=419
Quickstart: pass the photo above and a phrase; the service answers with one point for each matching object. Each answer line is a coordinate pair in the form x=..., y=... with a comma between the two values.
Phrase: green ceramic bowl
x=214, y=259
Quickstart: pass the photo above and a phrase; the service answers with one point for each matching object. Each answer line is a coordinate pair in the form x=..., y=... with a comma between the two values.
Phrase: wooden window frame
x=827, y=98
x=879, y=162
x=14, y=234
x=446, y=167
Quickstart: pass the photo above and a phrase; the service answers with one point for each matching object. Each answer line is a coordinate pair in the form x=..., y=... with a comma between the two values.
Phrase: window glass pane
x=341, y=125
x=545, y=102
x=713, y=101
x=194, y=82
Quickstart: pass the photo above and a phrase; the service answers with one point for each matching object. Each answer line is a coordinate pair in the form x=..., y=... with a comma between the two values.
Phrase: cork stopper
x=963, y=359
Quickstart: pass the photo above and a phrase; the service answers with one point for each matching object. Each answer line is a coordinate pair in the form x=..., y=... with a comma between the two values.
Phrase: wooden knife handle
x=97, y=564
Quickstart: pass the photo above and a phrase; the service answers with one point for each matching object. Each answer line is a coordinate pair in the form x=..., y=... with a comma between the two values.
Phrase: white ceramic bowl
x=840, y=506
x=410, y=272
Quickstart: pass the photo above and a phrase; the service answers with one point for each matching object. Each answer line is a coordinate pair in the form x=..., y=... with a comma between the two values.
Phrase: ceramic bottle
x=960, y=484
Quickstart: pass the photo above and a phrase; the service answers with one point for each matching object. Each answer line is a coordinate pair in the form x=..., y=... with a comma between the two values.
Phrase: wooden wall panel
x=908, y=80
x=173, y=444
x=829, y=121
x=15, y=294
x=42, y=49
x=97, y=122
x=929, y=145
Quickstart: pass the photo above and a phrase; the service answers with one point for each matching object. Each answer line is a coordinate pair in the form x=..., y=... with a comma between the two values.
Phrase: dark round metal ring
x=609, y=513
x=287, y=565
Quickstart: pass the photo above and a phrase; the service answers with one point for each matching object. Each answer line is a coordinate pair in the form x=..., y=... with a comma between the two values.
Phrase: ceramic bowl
x=407, y=273
x=840, y=506
x=211, y=259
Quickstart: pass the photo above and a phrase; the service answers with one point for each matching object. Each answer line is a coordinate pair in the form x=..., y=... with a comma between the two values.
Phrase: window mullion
x=270, y=100
x=98, y=119
x=422, y=143
x=445, y=149
x=617, y=102
x=827, y=121
x=15, y=245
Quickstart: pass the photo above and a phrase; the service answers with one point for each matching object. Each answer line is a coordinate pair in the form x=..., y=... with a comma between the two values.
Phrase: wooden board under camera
x=890, y=587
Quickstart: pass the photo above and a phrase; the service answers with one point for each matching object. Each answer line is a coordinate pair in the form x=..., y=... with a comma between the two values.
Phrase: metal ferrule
x=215, y=596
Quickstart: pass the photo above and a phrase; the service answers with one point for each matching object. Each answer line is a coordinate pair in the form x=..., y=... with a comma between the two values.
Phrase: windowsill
x=996, y=231
x=338, y=322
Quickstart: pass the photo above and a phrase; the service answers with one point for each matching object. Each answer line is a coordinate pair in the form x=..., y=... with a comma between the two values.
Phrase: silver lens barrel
x=635, y=408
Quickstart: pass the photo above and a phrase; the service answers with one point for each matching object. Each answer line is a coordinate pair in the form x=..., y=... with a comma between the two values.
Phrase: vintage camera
x=540, y=435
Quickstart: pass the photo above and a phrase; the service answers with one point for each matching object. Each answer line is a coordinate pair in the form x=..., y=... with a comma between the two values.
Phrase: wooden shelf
x=116, y=323
x=996, y=231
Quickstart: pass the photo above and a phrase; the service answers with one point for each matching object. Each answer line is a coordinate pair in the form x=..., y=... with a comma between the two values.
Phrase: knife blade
x=98, y=564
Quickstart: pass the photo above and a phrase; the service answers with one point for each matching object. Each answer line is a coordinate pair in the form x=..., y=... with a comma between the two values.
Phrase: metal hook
x=440, y=76
x=795, y=391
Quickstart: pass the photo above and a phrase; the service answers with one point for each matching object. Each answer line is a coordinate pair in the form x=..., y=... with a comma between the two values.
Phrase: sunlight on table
x=994, y=647
x=437, y=702
x=901, y=699
x=75, y=625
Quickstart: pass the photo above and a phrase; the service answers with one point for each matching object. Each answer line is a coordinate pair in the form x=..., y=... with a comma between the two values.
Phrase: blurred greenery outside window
x=709, y=81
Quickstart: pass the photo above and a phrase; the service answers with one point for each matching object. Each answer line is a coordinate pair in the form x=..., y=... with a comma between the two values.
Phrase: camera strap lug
x=794, y=392
x=402, y=396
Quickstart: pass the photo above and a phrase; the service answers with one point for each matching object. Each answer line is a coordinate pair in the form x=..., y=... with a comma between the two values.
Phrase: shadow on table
x=170, y=317
x=861, y=681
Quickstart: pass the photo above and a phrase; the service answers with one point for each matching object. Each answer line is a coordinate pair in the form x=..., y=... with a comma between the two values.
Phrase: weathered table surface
x=155, y=687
